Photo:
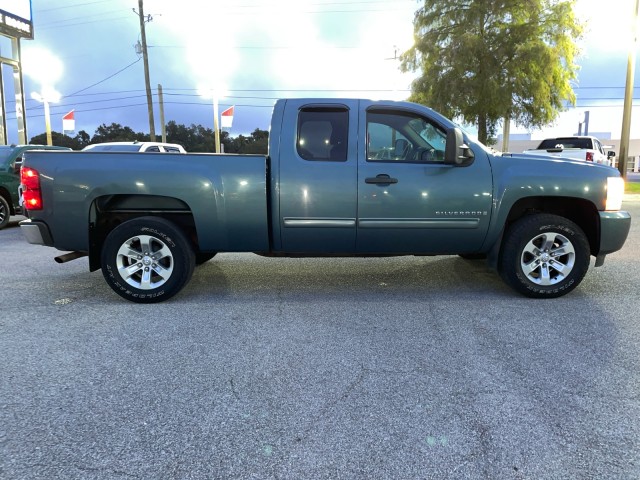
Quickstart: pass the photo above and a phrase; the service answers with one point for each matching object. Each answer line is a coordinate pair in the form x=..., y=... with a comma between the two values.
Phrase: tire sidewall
x=171, y=236
x=526, y=230
x=4, y=205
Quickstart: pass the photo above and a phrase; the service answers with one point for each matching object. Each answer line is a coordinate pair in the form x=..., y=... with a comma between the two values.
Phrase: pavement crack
x=232, y=384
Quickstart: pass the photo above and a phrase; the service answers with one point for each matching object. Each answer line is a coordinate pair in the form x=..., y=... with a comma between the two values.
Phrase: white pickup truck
x=578, y=148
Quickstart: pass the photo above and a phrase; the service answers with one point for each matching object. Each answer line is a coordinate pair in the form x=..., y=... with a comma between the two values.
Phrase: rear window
x=583, y=143
x=323, y=133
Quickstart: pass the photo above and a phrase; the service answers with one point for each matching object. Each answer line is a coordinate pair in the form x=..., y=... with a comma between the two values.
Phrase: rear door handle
x=382, y=179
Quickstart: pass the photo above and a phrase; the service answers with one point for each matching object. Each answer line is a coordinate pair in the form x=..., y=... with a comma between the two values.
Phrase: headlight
x=615, y=193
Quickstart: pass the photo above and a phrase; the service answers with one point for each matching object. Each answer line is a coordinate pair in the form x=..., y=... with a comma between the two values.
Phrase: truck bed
x=225, y=196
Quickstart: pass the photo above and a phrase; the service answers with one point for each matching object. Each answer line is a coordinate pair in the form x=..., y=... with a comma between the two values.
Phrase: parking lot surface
x=398, y=368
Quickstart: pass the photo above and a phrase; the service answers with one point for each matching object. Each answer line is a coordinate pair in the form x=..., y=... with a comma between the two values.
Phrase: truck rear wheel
x=147, y=260
x=544, y=256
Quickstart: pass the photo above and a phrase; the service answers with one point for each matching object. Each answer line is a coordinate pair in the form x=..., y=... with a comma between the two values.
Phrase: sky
x=254, y=51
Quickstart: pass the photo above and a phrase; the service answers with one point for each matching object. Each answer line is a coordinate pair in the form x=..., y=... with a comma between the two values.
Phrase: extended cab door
x=409, y=199
x=317, y=179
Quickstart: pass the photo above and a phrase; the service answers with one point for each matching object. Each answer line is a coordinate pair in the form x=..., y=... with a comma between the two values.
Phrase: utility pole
x=628, y=99
x=163, y=127
x=145, y=59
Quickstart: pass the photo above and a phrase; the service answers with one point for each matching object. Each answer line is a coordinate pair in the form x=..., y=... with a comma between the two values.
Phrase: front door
x=409, y=200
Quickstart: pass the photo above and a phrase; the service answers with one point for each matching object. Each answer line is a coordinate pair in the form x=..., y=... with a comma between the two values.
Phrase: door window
x=403, y=137
x=323, y=133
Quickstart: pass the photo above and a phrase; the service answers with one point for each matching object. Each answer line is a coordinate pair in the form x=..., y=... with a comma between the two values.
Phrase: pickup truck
x=10, y=161
x=584, y=148
x=342, y=177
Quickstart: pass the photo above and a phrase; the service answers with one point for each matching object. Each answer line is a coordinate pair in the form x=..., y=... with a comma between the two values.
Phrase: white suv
x=153, y=147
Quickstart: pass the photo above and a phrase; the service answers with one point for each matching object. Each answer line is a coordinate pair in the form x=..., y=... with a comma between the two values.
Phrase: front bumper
x=614, y=228
x=36, y=232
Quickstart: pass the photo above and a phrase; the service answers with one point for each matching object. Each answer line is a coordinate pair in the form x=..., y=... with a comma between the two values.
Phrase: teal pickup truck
x=342, y=177
x=10, y=158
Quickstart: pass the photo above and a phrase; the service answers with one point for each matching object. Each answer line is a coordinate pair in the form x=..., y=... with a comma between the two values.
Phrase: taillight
x=589, y=156
x=31, y=193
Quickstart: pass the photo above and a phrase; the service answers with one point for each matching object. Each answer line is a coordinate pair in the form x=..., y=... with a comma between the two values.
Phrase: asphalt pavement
x=391, y=368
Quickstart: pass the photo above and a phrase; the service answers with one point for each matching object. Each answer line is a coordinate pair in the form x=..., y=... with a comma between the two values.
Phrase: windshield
x=5, y=152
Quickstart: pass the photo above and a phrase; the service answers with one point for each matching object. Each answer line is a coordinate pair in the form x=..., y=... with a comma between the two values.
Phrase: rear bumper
x=614, y=228
x=36, y=232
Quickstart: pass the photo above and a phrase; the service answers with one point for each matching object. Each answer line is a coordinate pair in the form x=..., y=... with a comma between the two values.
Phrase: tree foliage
x=194, y=138
x=485, y=60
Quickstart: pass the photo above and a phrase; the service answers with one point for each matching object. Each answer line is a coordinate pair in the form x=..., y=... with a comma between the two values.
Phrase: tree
x=117, y=133
x=485, y=60
x=81, y=140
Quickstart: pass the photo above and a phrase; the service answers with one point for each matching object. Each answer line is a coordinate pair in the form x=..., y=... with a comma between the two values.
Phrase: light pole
x=46, y=69
x=47, y=95
x=214, y=94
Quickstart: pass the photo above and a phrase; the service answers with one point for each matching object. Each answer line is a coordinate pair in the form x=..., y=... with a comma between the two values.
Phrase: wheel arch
x=109, y=211
x=580, y=211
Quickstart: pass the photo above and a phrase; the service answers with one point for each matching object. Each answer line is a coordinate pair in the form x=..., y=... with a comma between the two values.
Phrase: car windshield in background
x=112, y=148
x=584, y=143
x=4, y=153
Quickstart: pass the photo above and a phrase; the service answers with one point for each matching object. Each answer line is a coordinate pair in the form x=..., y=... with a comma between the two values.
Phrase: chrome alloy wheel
x=145, y=262
x=548, y=258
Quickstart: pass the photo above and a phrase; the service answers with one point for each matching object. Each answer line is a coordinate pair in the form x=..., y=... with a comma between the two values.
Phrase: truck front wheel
x=147, y=260
x=544, y=256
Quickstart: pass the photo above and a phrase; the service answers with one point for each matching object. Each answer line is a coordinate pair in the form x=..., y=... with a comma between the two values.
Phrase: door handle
x=382, y=179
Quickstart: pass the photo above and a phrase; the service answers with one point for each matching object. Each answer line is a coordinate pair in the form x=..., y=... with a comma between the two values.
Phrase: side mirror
x=457, y=152
x=611, y=154
x=17, y=166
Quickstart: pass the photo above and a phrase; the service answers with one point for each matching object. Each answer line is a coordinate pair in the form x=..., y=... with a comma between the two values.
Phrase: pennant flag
x=69, y=122
x=227, y=118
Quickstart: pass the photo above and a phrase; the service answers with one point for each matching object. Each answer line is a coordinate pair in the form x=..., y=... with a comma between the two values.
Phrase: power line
x=103, y=80
x=74, y=5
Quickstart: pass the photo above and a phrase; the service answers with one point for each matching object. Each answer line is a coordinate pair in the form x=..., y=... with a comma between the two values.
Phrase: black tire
x=202, y=257
x=544, y=256
x=5, y=212
x=147, y=246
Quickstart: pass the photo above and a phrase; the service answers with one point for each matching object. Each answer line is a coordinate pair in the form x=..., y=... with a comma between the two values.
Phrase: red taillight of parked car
x=31, y=193
x=589, y=156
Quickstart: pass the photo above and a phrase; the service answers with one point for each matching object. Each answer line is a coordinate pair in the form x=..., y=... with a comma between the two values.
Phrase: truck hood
x=540, y=160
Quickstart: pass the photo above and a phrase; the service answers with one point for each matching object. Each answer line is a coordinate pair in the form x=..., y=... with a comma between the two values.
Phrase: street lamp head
x=42, y=66
x=48, y=94
x=211, y=92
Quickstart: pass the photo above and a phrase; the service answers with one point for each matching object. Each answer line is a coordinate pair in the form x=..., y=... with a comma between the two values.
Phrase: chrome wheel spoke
x=564, y=249
x=130, y=271
x=547, y=242
x=530, y=267
x=165, y=273
x=145, y=282
x=545, y=276
x=560, y=267
x=164, y=252
x=145, y=244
